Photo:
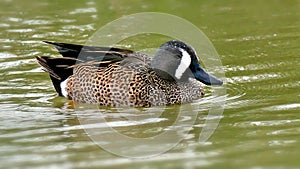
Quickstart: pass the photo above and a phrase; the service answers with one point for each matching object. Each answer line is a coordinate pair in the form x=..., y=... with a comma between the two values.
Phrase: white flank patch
x=184, y=63
x=63, y=88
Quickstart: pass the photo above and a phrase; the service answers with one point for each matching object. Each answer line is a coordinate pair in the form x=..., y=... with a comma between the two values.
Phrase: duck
x=116, y=77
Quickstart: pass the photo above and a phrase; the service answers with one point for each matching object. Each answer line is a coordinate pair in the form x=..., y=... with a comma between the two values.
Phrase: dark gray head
x=176, y=60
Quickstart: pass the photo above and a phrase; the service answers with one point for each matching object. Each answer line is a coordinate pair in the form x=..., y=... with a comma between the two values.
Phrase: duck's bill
x=206, y=78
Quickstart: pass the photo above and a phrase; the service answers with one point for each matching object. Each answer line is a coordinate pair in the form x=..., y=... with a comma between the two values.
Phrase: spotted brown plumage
x=119, y=77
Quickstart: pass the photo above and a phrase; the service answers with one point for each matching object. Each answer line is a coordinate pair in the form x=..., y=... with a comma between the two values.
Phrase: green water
x=259, y=46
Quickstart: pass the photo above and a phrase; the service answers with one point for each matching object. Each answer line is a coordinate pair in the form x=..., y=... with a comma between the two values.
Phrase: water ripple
x=83, y=10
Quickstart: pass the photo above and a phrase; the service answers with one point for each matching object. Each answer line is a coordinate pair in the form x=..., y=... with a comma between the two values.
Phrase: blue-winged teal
x=120, y=77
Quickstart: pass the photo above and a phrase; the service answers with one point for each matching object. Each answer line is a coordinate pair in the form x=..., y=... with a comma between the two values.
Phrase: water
x=258, y=43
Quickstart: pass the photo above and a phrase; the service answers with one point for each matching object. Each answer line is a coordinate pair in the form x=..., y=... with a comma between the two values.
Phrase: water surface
x=258, y=43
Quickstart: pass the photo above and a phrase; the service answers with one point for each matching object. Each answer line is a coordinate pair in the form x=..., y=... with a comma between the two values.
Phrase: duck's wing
x=60, y=68
x=91, y=53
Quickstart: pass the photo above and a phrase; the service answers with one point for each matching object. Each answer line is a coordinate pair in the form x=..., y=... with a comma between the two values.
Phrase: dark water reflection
x=258, y=44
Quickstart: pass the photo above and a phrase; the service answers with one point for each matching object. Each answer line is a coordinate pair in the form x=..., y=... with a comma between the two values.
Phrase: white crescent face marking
x=184, y=64
x=63, y=88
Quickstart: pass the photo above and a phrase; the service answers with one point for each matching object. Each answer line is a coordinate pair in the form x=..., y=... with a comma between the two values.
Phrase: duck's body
x=118, y=77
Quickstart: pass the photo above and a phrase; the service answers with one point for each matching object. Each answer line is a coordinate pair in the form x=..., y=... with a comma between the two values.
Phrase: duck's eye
x=178, y=57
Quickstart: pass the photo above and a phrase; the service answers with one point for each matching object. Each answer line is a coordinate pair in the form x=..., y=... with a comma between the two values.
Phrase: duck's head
x=176, y=60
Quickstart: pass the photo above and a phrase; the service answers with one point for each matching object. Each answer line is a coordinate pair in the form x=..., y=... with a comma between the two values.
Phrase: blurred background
x=259, y=46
